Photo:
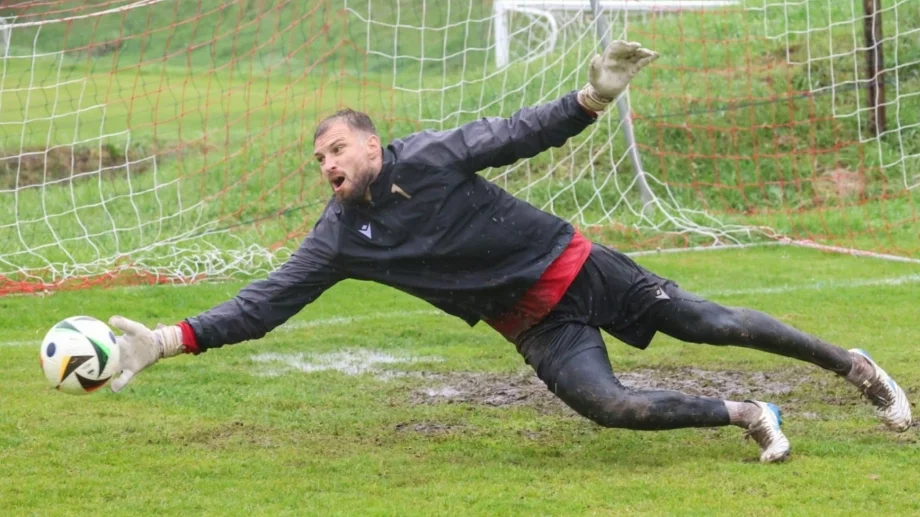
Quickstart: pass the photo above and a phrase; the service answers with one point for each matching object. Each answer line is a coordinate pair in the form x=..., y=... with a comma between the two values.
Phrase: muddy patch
x=527, y=390
x=429, y=428
x=518, y=389
x=839, y=184
x=230, y=434
x=38, y=166
x=523, y=388
x=726, y=384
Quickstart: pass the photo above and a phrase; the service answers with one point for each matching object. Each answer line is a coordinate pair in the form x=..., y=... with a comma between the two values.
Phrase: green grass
x=212, y=435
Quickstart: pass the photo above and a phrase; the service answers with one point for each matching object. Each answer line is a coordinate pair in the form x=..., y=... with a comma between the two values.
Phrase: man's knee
x=724, y=325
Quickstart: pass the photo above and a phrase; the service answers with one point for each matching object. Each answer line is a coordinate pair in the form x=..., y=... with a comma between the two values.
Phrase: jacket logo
x=395, y=189
x=366, y=230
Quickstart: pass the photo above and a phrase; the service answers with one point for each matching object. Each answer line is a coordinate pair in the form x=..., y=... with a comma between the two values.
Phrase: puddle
x=349, y=362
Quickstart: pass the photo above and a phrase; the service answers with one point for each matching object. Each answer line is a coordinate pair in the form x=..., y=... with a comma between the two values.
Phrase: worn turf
x=372, y=403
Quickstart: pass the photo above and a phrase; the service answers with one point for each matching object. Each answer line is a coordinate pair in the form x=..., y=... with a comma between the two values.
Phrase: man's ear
x=373, y=146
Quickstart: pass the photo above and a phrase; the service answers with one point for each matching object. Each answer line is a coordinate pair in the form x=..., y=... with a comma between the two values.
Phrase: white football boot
x=774, y=447
x=889, y=399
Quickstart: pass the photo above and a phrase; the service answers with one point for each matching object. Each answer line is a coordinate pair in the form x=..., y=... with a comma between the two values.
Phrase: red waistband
x=540, y=299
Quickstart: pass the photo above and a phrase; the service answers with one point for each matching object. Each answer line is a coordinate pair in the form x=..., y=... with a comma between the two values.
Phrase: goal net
x=171, y=140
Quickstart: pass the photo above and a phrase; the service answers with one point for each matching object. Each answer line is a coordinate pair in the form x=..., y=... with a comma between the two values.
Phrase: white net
x=753, y=125
x=80, y=200
x=173, y=139
x=828, y=40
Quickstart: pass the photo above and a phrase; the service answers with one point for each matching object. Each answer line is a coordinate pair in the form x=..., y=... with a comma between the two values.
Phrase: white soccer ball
x=79, y=355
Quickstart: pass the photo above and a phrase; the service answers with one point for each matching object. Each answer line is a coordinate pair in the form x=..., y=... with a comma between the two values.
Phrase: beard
x=357, y=194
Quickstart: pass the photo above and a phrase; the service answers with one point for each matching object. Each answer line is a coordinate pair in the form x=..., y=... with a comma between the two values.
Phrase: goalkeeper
x=414, y=215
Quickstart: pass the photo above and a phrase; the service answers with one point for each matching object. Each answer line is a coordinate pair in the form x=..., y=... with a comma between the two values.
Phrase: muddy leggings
x=586, y=382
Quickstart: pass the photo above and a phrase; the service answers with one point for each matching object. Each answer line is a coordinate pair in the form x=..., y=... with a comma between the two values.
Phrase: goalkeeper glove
x=610, y=73
x=140, y=347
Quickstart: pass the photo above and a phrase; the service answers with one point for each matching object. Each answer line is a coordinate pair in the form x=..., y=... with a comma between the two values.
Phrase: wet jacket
x=434, y=229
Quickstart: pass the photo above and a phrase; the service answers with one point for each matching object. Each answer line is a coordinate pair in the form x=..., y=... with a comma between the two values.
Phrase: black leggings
x=585, y=380
x=692, y=319
x=614, y=294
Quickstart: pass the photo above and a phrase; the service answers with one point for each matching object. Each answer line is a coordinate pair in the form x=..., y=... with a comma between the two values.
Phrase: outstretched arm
x=496, y=141
x=265, y=304
x=253, y=312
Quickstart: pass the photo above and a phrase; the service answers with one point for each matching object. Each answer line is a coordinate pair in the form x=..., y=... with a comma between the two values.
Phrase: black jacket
x=434, y=229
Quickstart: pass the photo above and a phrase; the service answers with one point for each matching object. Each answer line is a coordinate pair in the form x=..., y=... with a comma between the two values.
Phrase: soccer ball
x=79, y=355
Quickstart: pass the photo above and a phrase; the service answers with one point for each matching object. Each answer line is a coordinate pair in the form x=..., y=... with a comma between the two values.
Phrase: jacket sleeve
x=496, y=142
x=265, y=304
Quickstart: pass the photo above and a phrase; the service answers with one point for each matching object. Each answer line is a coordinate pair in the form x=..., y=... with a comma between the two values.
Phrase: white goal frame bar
x=543, y=8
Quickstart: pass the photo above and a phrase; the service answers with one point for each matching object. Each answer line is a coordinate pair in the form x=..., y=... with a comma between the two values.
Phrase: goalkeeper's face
x=349, y=161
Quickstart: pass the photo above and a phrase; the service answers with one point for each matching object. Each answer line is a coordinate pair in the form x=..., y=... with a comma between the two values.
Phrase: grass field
x=140, y=137
x=372, y=403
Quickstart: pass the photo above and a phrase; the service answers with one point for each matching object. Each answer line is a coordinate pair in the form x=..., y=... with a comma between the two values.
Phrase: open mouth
x=337, y=182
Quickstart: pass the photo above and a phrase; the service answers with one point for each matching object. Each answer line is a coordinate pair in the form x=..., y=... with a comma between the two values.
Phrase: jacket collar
x=380, y=188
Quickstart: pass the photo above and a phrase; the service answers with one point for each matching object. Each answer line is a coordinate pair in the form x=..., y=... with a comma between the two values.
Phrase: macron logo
x=661, y=295
x=366, y=230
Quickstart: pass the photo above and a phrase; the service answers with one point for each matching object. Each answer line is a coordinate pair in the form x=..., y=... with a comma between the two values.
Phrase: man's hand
x=610, y=73
x=140, y=347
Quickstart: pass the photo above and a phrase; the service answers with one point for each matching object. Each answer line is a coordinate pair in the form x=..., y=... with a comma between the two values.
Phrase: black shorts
x=611, y=292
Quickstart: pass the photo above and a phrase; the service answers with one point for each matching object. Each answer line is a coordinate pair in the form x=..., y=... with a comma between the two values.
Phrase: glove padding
x=140, y=347
x=610, y=73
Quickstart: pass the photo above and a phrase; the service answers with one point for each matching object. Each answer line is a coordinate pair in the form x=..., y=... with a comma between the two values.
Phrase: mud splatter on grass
x=526, y=389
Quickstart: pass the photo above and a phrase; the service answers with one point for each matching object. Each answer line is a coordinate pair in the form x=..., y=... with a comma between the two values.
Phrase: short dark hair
x=355, y=120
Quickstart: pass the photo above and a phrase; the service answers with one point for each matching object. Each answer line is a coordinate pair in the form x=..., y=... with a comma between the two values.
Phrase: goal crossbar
x=544, y=8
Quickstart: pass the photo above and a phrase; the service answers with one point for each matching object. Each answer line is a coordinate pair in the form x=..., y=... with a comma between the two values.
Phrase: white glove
x=610, y=73
x=140, y=347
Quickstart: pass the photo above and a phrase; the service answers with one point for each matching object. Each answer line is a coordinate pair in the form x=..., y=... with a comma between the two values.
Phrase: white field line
x=348, y=320
x=817, y=286
x=782, y=242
